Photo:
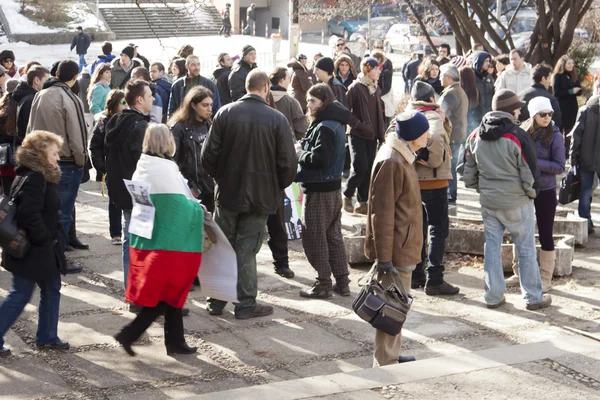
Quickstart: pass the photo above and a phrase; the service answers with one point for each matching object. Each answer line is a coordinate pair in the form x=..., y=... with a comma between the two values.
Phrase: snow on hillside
x=79, y=12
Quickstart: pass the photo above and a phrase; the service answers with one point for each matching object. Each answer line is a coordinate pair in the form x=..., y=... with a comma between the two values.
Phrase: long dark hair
x=180, y=63
x=324, y=93
x=560, y=68
x=98, y=72
x=113, y=99
x=467, y=82
x=186, y=113
x=8, y=115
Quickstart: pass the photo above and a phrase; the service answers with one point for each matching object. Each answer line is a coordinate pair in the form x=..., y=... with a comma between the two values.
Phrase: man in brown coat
x=367, y=128
x=395, y=217
x=300, y=80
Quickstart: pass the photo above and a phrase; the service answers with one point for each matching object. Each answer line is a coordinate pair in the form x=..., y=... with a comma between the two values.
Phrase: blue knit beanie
x=410, y=125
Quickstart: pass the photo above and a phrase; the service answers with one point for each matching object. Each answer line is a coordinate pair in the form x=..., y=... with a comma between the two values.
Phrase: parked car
x=408, y=37
x=379, y=27
x=344, y=27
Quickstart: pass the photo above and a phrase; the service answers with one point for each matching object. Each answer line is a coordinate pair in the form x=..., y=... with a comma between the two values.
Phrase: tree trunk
x=423, y=27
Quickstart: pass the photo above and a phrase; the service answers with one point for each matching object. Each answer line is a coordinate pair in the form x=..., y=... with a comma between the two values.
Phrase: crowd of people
x=239, y=136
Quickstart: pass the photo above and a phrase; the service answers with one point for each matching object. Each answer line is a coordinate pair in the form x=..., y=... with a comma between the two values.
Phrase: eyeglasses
x=546, y=114
x=123, y=103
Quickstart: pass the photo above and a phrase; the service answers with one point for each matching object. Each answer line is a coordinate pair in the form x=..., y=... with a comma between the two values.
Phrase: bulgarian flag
x=163, y=267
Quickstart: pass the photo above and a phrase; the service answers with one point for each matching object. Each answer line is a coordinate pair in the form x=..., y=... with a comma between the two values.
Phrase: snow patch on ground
x=18, y=22
x=80, y=13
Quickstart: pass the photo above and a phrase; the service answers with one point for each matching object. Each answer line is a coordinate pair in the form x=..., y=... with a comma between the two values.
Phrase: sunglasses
x=340, y=44
x=8, y=60
x=546, y=114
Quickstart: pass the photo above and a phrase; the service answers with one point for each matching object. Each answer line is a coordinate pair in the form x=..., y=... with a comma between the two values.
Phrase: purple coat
x=551, y=160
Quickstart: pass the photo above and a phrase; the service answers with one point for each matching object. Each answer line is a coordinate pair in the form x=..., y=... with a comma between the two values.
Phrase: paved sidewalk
x=302, y=339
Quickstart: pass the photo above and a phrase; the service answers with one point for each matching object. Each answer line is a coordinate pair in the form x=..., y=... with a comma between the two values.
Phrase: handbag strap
x=370, y=275
x=13, y=193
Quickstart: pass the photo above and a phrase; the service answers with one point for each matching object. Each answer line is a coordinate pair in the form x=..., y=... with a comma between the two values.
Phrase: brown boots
x=547, y=263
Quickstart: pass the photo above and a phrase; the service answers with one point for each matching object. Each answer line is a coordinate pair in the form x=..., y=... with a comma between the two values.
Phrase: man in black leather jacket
x=250, y=154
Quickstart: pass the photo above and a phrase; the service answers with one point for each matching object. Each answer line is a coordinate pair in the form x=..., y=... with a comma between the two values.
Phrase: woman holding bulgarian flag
x=162, y=268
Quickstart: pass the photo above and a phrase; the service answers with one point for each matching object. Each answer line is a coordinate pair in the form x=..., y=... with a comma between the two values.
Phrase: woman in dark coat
x=8, y=134
x=300, y=80
x=38, y=206
x=429, y=72
x=190, y=126
x=566, y=89
x=115, y=103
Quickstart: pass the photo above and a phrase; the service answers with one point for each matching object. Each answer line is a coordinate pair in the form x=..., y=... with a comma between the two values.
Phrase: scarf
x=372, y=85
x=278, y=88
x=433, y=81
x=544, y=135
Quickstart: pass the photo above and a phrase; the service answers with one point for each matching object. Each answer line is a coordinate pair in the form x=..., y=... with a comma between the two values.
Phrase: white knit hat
x=538, y=104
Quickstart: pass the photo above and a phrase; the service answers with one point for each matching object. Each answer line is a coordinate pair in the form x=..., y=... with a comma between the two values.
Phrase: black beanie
x=6, y=54
x=129, y=51
x=325, y=64
x=247, y=49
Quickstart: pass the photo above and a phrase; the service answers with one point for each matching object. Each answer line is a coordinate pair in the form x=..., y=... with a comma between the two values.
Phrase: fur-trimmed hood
x=338, y=61
x=38, y=162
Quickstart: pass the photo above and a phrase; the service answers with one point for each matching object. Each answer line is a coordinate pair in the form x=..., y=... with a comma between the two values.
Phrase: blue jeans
x=457, y=153
x=82, y=62
x=126, y=221
x=520, y=222
x=68, y=188
x=19, y=296
x=585, y=195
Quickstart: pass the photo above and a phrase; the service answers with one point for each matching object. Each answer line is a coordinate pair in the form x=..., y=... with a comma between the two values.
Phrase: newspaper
x=142, y=214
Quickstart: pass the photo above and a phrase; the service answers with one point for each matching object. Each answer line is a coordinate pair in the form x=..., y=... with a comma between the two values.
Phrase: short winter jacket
x=57, y=110
x=97, y=152
x=367, y=110
x=102, y=59
x=98, y=97
x=123, y=148
x=513, y=80
x=38, y=208
x=121, y=75
x=163, y=89
x=550, y=158
x=237, y=78
x=538, y=90
x=496, y=164
x=321, y=160
x=250, y=154
x=221, y=79
x=567, y=99
x=411, y=71
x=290, y=108
x=455, y=103
x=180, y=89
x=81, y=43
x=339, y=91
x=395, y=219
x=23, y=95
x=300, y=82
x=189, y=140
x=438, y=150
x=585, y=145
x=484, y=83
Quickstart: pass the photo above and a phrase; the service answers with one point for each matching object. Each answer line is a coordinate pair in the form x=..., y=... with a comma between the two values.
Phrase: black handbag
x=570, y=187
x=12, y=240
x=384, y=308
x=7, y=153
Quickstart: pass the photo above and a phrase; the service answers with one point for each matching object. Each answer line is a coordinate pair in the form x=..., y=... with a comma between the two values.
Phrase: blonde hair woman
x=165, y=261
x=35, y=190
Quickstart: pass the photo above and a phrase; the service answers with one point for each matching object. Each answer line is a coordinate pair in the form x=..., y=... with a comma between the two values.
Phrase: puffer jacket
x=300, y=82
x=250, y=154
x=585, y=143
x=496, y=164
x=189, y=139
x=551, y=158
x=237, y=78
x=513, y=80
x=437, y=153
x=221, y=79
x=290, y=108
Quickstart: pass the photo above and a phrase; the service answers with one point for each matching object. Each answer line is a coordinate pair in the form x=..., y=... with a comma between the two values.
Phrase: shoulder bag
x=7, y=153
x=385, y=308
x=570, y=186
x=12, y=240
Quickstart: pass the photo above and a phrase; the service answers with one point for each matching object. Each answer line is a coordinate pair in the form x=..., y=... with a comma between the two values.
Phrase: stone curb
x=371, y=378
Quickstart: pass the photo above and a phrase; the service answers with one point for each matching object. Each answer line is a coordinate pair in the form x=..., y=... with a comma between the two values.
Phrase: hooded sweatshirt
x=500, y=162
x=484, y=83
x=221, y=79
x=163, y=89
